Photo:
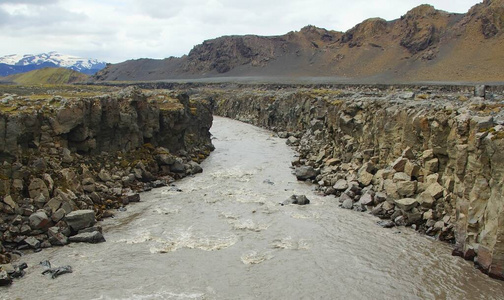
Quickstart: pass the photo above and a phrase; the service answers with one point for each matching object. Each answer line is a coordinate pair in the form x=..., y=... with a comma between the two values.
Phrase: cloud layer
x=114, y=30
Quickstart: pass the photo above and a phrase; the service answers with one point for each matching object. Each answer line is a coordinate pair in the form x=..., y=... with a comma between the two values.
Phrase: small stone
x=104, y=175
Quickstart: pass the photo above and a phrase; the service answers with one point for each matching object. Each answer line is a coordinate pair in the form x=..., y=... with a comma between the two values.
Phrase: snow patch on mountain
x=85, y=65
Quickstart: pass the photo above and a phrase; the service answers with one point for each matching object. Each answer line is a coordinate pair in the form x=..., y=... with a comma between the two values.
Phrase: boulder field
x=422, y=156
x=67, y=162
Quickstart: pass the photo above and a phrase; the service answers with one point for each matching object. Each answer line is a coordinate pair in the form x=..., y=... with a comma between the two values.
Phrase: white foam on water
x=248, y=224
x=158, y=295
x=236, y=174
x=254, y=257
x=305, y=215
x=186, y=238
x=291, y=244
x=165, y=211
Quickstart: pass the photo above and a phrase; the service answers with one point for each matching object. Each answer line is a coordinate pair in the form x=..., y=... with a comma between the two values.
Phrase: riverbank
x=425, y=158
x=91, y=151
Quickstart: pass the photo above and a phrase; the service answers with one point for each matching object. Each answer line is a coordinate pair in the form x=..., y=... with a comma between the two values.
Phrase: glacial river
x=224, y=236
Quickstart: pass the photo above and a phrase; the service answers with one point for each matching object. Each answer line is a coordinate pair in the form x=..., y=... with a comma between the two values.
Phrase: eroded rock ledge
x=423, y=157
x=91, y=154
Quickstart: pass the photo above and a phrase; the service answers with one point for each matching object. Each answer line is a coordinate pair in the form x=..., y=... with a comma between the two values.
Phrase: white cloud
x=115, y=30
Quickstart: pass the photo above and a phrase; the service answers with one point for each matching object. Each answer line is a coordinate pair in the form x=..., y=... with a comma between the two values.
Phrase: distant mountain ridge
x=56, y=76
x=425, y=44
x=16, y=63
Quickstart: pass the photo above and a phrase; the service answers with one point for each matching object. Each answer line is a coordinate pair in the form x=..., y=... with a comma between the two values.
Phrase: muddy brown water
x=226, y=237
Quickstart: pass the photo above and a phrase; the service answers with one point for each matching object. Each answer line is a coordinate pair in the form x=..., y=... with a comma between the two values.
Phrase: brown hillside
x=423, y=45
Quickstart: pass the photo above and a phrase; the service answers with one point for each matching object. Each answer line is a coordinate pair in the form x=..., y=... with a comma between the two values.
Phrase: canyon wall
x=425, y=157
x=60, y=155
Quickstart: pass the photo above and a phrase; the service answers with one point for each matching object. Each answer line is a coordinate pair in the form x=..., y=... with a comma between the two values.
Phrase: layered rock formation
x=425, y=157
x=90, y=154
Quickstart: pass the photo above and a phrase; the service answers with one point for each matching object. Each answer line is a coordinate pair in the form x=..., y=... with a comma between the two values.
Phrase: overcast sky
x=117, y=30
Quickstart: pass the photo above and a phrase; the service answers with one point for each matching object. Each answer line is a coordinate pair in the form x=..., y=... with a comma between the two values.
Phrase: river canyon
x=222, y=234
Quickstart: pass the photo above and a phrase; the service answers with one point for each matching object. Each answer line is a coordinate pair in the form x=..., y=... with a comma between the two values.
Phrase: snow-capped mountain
x=15, y=63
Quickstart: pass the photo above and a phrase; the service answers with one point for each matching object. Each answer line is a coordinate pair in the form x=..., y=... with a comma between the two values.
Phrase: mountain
x=47, y=76
x=13, y=64
x=425, y=44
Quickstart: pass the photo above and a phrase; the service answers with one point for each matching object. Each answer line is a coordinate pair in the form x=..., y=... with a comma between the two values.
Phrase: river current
x=223, y=235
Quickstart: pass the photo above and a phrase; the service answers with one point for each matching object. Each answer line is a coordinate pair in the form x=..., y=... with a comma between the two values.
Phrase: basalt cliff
x=425, y=157
x=425, y=44
x=68, y=160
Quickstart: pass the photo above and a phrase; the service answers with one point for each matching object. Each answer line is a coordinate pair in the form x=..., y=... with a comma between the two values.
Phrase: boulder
x=87, y=237
x=340, y=185
x=39, y=220
x=431, y=166
x=38, y=187
x=435, y=190
x=305, y=173
x=56, y=238
x=367, y=199
x=406, y=188
x=296, y=199
x=5, y=278
x=406, y=204
x=399, y=164
x=347, y=204
x=365, y=178
x=426, y=200
x=292, y=141
x=32, y=242
x=80, y=219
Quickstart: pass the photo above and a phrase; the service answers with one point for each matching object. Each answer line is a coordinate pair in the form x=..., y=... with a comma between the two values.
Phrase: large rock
x=56, y=237
x=5, y=278
x=340, y=185
x=39, y=220
x=87, y=237
x=406, y=188
x=306, y=173
x=80, y=219
x=38, y=187
x=406, y=204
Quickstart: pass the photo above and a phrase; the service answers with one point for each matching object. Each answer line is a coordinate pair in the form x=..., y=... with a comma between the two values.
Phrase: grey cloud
x=33, y=2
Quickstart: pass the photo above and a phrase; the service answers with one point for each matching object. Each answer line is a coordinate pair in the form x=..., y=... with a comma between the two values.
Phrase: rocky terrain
x=420, y=156
x=69, y=159
x=425, y=44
